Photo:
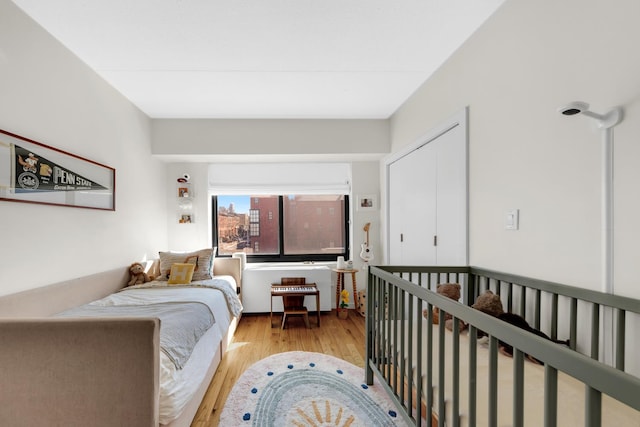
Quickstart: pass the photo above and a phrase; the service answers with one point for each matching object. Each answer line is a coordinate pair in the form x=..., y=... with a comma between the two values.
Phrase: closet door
x=428, y=201
x=412, y=212
x=451, y=200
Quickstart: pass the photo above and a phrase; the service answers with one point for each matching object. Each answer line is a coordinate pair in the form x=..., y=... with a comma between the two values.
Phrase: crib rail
x=607, y=312
x=401, y=344
x=595, y=323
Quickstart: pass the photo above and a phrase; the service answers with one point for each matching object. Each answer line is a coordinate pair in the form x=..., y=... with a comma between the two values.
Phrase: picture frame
x=183, y=192
x=186, y=218
x=366, y=202
x=33, y=172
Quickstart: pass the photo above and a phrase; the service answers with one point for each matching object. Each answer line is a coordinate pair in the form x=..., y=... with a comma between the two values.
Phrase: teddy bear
x=137, y=274
x=489, y=303
x=449, y=290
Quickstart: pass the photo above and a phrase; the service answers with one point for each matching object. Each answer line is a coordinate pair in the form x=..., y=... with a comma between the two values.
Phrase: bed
x=451, y=377
x=107, y=360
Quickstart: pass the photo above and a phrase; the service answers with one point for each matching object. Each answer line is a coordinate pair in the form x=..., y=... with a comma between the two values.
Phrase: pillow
x=203, y=260
x=181, y=274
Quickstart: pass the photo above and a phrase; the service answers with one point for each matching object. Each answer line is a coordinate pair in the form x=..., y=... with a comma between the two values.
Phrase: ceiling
x=342, y=59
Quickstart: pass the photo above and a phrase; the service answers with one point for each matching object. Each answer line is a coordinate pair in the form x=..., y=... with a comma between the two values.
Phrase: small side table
x=340, y=285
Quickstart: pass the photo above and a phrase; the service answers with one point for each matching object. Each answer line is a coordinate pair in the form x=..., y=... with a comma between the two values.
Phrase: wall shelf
x=184, y=195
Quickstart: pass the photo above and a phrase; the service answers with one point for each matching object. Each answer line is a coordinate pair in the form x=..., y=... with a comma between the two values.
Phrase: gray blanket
x=181, y=323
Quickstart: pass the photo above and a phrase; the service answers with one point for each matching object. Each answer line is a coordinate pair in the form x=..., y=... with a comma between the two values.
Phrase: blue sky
x=241, y=203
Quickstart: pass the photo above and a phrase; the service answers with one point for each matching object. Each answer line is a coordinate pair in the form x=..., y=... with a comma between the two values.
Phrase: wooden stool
x=295, y=310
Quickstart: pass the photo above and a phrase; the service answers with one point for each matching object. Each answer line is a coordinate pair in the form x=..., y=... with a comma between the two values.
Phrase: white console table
x=257, y=280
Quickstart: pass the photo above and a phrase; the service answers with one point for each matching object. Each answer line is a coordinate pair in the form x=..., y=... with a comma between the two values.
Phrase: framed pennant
x=32, y=172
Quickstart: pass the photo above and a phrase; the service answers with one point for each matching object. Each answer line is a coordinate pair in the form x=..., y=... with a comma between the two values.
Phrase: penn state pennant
x=35, y=173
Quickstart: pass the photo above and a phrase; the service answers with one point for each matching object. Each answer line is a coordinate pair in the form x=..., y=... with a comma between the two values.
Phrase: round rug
x=302, y=389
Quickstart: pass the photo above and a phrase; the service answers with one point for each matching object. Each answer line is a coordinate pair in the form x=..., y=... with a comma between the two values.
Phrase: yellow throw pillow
x=181, y=274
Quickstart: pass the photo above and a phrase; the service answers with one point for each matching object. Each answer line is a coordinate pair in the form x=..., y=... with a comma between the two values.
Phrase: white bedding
x=177, y=386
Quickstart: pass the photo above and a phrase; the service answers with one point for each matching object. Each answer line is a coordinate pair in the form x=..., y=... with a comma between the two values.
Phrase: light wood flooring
x=255, y=339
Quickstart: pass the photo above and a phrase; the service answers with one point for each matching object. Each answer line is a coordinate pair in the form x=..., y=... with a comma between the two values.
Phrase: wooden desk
x=286, y=291
x=340, y=285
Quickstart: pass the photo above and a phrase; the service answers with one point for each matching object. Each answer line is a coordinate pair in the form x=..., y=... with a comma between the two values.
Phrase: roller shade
x=280, y=178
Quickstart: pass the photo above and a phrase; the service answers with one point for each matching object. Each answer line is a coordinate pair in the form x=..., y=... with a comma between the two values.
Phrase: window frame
x=281, y=257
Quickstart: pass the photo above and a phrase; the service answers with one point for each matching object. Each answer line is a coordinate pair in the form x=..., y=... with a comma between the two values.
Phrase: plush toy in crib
x=520, y=322
x=449, y=290
x=137, y=274
x=491, y=304
x=488, y=303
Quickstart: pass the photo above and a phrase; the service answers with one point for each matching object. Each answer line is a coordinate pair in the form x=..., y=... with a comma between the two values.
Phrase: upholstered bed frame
x=112, y=375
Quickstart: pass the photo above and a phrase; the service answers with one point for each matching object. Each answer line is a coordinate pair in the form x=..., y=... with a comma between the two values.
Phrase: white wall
x=198, y=234
x=365, y=176
x=50, y=96
x=204, y=139
x=192, y=143
x=526, y=61
x=366, y=181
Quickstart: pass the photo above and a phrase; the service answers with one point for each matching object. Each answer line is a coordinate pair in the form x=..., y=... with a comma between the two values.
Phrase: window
x=282, y=227
x=254, y=222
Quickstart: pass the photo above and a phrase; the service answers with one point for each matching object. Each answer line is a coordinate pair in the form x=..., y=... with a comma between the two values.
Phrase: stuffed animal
x=489, y=303
x=449, y=290
x=520, y=322
x=137, y=274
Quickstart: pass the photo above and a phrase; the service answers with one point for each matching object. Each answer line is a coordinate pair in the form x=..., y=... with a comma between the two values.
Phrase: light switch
x=511, y=220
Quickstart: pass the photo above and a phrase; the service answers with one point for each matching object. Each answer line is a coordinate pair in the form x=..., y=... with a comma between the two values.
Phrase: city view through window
x=286, y=225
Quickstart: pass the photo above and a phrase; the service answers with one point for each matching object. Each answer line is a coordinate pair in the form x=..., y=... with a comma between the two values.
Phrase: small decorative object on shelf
x=343, y=312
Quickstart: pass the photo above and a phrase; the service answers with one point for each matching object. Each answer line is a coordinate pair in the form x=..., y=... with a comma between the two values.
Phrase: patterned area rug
x=303, y=389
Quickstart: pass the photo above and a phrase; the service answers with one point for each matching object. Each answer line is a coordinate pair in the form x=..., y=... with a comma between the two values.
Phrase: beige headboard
x=228, y=267
x=221, y=267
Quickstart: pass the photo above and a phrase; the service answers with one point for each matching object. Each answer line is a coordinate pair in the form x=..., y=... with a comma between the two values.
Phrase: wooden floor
x=255, y=339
